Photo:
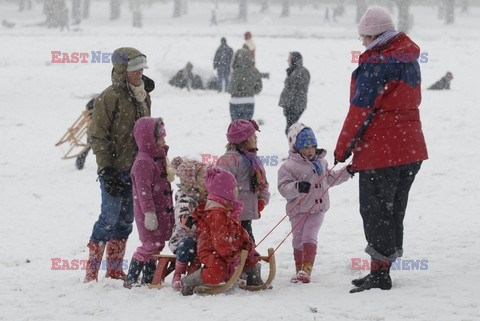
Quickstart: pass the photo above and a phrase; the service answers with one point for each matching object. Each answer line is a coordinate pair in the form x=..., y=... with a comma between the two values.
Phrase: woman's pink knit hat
x=375, y=21
x=220, y=182
x=240, y=130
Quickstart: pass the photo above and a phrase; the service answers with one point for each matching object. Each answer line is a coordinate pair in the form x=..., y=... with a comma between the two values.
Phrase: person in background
x=245, y=83
x=223, y=64
x=294, y=96
x=443, y=83
x=249, y=45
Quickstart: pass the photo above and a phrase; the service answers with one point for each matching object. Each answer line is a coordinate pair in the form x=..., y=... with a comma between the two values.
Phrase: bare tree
x=86, y=9
x=115, y=6
x=285, y=8
x=177, y=8
x=265, y=6
x=449, y=11
x=361, y=8
x=76, y=11
x=242, y=10
x=55, y=13
x=403, y=15
x=135, y=7
x=464, y=6
x=24, y=3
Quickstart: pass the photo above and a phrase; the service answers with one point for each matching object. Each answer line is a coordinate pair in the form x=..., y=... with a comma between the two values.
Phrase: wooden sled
x=218, y=288
x=270, y=258
x=74, y=136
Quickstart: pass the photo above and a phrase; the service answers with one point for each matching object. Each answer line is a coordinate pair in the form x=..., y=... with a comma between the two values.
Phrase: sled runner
x=75, y=134
x=270, y=258
x=218, y=288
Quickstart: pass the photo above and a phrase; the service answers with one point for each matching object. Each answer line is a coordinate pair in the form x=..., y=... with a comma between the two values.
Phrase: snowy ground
x=48, y=207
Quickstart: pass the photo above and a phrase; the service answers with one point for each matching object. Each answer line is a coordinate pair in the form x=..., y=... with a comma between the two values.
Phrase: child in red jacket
x=220, y=236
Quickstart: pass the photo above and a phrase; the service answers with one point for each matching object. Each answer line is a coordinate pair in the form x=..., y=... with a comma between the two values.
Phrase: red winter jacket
x=383, y=127
x=219, y=235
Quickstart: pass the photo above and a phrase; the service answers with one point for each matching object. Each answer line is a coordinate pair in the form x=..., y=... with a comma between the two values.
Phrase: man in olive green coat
x=245, y=83
x=115, y=112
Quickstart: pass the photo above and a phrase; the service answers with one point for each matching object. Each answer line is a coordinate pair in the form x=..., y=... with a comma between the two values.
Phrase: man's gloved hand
x=151, y=222
x=303, y=187
x=336, y=159
x=113, y=184
x=351, y=171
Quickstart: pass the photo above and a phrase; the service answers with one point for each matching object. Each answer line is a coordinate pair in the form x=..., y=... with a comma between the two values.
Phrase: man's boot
x=191, y=281
x=379, y=277
x=94, y=263
x=360, y=281
x=149, y=271
x=133, y=273
x=180, y=269
x=115, y=253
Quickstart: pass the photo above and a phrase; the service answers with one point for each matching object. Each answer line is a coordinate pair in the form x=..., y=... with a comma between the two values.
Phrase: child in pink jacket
x=152, y=195
x=306, y=171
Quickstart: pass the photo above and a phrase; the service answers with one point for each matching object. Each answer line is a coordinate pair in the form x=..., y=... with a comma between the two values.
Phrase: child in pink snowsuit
x=152, y=194
x=306, y=171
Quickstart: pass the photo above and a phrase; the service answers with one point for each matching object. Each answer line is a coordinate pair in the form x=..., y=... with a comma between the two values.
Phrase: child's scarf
x=258, y=181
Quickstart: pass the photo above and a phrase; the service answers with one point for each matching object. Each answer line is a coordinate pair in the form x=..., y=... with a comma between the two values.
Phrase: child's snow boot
x=133, y=273
x=94, y=261
x=191, y=281
x=180, y=268
x=298, y=257
x=309, y=253
x=379, y=277
x=254, y=276
x=149, y=271
x=115, y=253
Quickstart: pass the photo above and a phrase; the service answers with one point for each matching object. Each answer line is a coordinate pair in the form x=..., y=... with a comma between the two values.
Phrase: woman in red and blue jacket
x=384, y=132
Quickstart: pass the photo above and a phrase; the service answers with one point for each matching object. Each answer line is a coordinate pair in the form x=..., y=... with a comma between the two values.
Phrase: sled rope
x=308, y=212
x=298, y=203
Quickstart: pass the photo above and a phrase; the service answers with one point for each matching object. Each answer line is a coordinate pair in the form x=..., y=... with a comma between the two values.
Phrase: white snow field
x=48, y=207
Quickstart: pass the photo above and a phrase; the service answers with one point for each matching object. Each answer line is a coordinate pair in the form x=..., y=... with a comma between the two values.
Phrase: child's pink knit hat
x=375, y=21
x=240, y=130
x=220, y=182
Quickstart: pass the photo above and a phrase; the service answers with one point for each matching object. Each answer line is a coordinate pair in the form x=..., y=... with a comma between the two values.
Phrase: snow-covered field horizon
x=48, y=207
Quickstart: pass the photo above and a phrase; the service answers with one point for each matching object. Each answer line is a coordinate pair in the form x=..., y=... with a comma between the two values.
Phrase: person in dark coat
x=246, y=82
x=443, y=83
x=294, y=95
x=183, y=78
x=222, y=63
x=383, y=130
